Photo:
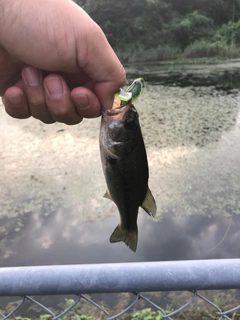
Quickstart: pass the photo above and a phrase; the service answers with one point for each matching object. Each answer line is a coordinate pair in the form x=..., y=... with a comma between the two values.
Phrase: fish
x=125, y=167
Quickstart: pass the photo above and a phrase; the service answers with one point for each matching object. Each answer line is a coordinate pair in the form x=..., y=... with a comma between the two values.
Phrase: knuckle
x=60, y=111
x=120, y=77
x=35, y=101
x=64, y=114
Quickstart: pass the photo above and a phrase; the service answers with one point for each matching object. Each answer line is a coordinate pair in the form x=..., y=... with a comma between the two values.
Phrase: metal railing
x=136, y=278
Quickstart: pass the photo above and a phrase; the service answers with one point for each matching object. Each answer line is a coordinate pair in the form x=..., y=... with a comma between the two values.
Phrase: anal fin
x=149, y=203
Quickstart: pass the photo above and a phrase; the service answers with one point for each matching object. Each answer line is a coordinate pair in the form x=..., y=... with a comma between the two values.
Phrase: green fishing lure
x=133, y=91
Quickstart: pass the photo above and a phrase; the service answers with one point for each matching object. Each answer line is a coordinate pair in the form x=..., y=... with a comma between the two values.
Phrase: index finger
x=99, y=61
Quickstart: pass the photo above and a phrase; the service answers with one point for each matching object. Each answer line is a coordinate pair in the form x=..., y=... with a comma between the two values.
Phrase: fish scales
x=126, y=179
x=125, y=166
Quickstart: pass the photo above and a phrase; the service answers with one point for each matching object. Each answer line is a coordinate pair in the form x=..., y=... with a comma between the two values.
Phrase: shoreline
x=182, y=61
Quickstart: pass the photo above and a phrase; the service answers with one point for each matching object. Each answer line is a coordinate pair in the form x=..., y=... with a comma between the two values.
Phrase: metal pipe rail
x=121, y=277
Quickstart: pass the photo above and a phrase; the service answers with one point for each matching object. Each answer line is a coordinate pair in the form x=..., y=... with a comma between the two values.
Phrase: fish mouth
x=122, y=108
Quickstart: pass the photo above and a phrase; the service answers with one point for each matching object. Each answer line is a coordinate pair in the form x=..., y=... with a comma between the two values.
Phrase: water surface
x=52, y=207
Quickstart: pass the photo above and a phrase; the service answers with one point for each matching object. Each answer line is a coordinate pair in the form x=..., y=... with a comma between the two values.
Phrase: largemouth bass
x=125, y=166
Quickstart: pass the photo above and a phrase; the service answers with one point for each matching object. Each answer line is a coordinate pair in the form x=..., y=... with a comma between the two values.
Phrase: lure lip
x=123, y=95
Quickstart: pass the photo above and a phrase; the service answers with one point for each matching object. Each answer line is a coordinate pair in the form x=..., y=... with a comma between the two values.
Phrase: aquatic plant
x=147, y=314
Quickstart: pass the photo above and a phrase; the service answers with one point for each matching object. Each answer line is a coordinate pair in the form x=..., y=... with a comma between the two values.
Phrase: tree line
x=145, y=30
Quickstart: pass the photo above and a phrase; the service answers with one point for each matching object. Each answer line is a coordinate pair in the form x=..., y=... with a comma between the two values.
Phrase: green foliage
x=45, y=317
x=230, y=33
x=209, y=49
x=125, y=22
x=69, y=302
x=147, y=314
x=220, y=11
x=76, y=316
x=138, y=53
x=150, y=30
x=192, y=27
x=219, y=302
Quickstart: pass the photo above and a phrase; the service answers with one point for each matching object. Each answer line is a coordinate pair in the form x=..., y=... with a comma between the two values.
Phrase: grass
x=138, y=53
x=147, y=314
x=220, y=49
x=198, y=52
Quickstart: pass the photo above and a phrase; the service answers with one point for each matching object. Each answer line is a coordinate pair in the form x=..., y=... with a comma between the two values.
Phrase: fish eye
x=129, y=123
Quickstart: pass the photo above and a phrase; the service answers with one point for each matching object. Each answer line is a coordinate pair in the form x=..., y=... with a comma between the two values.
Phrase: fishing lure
x=123, y=95
x=132, y=92
x=136, y=88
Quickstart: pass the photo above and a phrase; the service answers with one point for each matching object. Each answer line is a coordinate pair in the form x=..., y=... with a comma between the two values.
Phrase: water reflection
x=224, y=76
x=192, y=140
x=61, y=239
x=51, y=182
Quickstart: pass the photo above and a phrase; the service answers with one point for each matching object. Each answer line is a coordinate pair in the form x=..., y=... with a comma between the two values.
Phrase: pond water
x=51, y=182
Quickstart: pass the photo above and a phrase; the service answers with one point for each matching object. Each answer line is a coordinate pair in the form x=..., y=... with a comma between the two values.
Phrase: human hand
x=55, y=62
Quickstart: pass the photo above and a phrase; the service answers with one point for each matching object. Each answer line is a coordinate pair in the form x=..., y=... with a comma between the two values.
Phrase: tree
x=230, y=33
x=192, y=27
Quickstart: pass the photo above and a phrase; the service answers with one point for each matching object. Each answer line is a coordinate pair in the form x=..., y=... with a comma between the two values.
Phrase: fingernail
x=15, y=100
x=82, y=102
x=32, y=76
x=55, y=87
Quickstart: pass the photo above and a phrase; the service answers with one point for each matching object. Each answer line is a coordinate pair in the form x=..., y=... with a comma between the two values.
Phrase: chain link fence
x=136, y=278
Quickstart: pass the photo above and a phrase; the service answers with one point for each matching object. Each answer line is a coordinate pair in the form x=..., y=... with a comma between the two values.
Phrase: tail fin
x=129, y=237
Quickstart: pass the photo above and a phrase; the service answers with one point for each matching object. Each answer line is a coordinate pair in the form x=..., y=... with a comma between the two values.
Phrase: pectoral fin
x=107, y=195
x=149, y=204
